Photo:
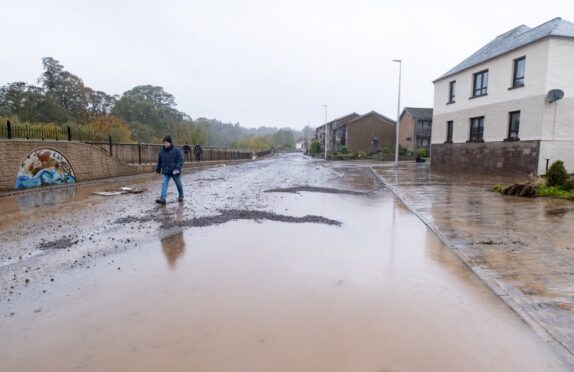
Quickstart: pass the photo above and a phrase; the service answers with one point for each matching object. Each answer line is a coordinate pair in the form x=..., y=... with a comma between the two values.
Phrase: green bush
x=557, y=174
x=344, y=150
x=422, y=152
x=315, y=147
x=387, y=150
x=568, y=185
x=555, y=192
x=403, y=151
x=498, y=188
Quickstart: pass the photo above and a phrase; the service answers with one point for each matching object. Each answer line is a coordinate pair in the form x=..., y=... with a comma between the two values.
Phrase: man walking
x=169, y=164
x=197, y=151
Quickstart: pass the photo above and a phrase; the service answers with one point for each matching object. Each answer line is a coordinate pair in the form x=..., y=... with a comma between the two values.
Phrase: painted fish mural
x=44, y=167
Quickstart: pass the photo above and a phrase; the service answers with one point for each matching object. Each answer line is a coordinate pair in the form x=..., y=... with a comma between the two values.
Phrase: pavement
x=286, y=263
x=521, y=248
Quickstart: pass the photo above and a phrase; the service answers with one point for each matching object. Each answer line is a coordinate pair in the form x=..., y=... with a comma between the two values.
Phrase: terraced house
x=509, y=107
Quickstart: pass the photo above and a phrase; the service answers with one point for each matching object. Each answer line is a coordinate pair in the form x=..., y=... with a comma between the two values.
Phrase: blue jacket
x=169, y=160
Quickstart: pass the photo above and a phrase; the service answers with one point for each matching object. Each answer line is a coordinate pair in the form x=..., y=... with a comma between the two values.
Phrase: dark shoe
x=160, y=201
x=180, y=199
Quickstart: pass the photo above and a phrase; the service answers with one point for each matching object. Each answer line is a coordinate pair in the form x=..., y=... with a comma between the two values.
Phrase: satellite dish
x=554, y=95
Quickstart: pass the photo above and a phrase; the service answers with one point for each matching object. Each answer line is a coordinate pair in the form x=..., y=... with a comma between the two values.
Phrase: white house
x=493, y=112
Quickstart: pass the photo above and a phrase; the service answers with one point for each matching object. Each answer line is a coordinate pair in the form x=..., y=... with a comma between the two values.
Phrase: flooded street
x=333, y=273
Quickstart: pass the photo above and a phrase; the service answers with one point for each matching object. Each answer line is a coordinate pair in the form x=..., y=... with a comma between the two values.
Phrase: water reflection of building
x=173, y=248
x=45, y=197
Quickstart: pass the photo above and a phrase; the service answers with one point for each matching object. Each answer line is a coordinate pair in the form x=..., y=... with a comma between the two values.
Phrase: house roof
x=373, y=113
x=342, y=120
x=514, y=39
x=418, y=113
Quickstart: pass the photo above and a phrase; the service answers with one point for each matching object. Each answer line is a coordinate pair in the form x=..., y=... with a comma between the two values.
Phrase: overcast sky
x=272, y=63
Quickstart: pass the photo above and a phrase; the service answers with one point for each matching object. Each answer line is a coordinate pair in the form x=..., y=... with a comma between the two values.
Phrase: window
x=423, y=142
x=451, y=91
x=476, y=129
x=449, y=125
x=513, y=125
x=480, y=84
x=518, y=75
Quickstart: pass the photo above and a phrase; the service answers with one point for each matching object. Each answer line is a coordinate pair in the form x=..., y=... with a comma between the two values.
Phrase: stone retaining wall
x=88, y=162
x=494, y=157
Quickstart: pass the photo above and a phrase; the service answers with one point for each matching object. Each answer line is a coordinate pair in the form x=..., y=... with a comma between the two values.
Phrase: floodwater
x=378, y=293
x=523, y=247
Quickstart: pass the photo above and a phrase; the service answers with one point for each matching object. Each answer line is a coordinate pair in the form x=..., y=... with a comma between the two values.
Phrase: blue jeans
x=176, y=179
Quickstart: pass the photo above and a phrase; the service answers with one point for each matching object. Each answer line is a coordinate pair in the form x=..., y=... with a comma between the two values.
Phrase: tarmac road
x=283, y=264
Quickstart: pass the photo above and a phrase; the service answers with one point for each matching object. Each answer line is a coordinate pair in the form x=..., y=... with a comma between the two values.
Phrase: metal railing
x=45, y=132
x=129, y=153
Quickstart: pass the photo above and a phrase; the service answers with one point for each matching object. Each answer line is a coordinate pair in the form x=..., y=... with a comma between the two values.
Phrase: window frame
x=515, y=78
x=451, y=92
x=449, y=131
x=483, y=89
x=509, y=136
x=479, y=133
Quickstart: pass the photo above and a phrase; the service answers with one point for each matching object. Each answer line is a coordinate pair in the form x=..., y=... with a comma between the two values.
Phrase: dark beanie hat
x=167, y=139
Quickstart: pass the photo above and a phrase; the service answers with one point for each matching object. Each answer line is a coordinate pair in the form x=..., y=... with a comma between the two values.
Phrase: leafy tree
x=253, y=142
x=187, y=132
x=112, y=126
x=284, y=139
x=148, y=104
x=30, y=104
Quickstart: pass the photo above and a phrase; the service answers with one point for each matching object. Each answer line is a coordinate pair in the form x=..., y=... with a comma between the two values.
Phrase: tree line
x=143, y=114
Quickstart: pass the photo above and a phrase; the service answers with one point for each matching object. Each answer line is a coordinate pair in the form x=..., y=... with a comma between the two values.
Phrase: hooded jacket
x=169, y=159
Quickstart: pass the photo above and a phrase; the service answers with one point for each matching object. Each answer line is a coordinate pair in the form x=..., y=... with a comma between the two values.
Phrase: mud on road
x=69, y=229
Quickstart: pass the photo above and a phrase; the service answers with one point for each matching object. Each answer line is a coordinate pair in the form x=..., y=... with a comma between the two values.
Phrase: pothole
x=324, y=190
x=224, y=216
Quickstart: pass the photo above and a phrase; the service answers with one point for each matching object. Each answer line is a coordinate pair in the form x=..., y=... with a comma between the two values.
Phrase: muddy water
x=379, y=293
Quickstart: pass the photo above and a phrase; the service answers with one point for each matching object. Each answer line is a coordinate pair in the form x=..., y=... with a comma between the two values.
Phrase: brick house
x=494, y=110
x=366, y=133
x=335, y=133
x=370, y=132
x=415, y=129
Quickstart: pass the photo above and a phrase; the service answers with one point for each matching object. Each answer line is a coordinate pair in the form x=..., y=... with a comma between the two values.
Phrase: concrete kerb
x=201, y=165
x=511, y=296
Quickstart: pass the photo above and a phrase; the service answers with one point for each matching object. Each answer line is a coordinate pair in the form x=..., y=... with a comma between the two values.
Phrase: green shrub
x=403, y=151
x=315, y=147
x=498, y=188
x=556, y=174
x=568, y=185
x=344, y=150
x=387, y=150
x=555, y=192
x=422, y=152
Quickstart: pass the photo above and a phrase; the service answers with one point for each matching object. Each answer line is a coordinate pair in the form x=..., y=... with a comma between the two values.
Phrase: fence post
x=69, y=133
x=9, y=127
x=140, y=153
x=110, y=142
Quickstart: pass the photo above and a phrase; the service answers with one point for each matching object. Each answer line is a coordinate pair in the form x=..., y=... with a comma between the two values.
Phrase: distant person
x=187, y=152
x=169, y=164
x=197, y=152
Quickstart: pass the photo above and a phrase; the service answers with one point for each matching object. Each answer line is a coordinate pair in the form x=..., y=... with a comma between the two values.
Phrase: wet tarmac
x=523, y=248
x=118, y=283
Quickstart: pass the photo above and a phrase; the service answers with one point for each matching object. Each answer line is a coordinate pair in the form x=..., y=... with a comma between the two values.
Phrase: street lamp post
x=308, y=138
x=325, y=136
x=398, y=116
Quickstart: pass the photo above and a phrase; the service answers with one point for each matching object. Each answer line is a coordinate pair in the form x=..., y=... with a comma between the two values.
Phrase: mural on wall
x=44, y=167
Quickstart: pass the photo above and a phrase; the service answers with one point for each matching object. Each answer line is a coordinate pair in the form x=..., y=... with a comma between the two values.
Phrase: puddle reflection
x=173, y=248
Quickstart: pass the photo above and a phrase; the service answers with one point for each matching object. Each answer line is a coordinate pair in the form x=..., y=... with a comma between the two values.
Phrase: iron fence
x=44, y=132
x=130, y=153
